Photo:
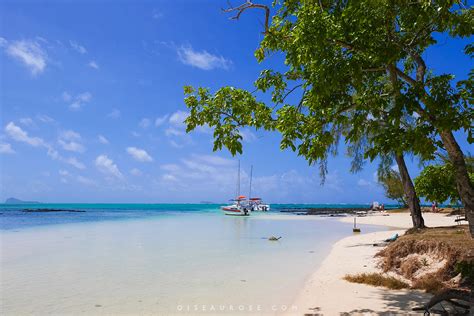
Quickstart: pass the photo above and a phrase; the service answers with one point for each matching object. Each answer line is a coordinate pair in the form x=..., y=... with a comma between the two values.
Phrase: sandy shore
x=327, y=293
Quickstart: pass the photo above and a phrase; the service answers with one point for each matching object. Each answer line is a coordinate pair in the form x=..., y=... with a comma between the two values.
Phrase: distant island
x=18, y=201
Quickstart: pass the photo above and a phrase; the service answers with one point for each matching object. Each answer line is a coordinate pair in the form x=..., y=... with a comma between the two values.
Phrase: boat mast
x=238, y=180
x=250, y=187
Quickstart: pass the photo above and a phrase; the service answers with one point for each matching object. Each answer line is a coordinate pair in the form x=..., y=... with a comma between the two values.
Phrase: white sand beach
x=327, y=293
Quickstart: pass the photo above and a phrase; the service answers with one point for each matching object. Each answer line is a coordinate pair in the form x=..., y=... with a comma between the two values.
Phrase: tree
x=356, y=68
x=437, y=183
x=392, y=183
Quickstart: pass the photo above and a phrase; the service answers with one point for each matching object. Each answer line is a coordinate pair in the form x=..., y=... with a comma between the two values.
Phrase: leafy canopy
x=355, y=68
x=437, y=183
x=393, y=186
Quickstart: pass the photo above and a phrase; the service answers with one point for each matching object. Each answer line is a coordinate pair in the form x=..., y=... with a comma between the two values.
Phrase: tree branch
x=249, y=5
x=421, y=69
x=290, y=91
x=404, y=76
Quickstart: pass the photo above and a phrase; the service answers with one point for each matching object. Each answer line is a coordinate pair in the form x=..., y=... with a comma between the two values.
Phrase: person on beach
x=434, y=207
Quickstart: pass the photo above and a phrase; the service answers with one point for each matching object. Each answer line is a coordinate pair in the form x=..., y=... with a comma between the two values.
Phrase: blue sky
x=92, y=107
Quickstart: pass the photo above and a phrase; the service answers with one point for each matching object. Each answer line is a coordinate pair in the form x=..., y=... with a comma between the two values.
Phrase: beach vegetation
x=431, y=258
x=437, y=183
x=391, y=182
x=430, y=283
x=377, y=279
x=352, y=71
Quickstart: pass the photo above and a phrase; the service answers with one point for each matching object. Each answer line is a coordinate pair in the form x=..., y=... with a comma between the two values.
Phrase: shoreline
x=326, y=293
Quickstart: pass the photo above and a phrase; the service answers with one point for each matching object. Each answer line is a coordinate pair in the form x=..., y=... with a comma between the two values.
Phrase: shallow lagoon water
x=181, y=263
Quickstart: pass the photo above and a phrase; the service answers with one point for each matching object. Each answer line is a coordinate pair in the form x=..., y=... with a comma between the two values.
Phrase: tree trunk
x=409, y=188
x=463, y=183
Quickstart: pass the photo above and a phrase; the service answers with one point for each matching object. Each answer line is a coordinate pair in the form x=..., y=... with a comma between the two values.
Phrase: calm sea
x=158, y=259
x=13, y=216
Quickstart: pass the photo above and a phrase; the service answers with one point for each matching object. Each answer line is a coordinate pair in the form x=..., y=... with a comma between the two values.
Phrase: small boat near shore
x=257, y=205
x=238, y=208
x=242, y=206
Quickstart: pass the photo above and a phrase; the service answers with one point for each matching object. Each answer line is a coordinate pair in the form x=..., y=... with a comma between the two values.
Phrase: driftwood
x=449, y=296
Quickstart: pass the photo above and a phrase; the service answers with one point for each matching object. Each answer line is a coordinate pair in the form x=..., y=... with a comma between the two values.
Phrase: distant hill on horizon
x=18, y=201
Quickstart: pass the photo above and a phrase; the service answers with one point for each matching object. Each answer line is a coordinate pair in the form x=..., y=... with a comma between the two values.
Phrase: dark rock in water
x=49, y=210
x=329, y=211
x=17, y=201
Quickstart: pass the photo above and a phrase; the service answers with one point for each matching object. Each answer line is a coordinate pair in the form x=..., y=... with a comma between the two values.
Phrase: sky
x=92, y=107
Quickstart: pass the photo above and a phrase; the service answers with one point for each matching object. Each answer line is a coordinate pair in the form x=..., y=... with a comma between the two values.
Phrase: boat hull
x=234, y=211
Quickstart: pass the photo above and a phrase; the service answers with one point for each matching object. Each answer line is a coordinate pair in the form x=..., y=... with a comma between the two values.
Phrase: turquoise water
x=12, y=216
x=159, y=260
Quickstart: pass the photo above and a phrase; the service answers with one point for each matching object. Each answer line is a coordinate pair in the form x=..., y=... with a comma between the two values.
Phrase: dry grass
x=410, y=266
x=377, y=279
x=446, y=246
x=430, y=283
x=399, y=210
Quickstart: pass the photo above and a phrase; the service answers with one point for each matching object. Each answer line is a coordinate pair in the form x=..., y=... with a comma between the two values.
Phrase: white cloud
x=139, y=154
x=80, y=100
x=29, y=53
x=72, y=146
x=170, y=167
x=27, y=121
x=172, y=131
x=69, y=140
x=136, y=172
x=177, y=118
x=103, y=140
x=176, y=130
x=107, y=166
x=66, y=96
x=115, y=114
x=333, y=181
x=176, y=144
x=160, y=120
x=44, y=118
x=16, y=133
x=144, y=123
x=86, y=181
x=93, y=64
x=64, y=173
x=363, y=183
x=53, y=153
x=247, y=135
x=75, y=163
x=70, y=135
x=169, y=178
x=77, y=47
x=202, y=60
x=177, y=125
x=6, y=148
x=209, y=171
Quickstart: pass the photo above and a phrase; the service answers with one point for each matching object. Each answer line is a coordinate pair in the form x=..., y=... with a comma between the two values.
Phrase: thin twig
x=249, y=5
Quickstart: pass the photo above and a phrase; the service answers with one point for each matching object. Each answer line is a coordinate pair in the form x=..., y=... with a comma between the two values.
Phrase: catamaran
x=255, y=203
x=239, y=207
